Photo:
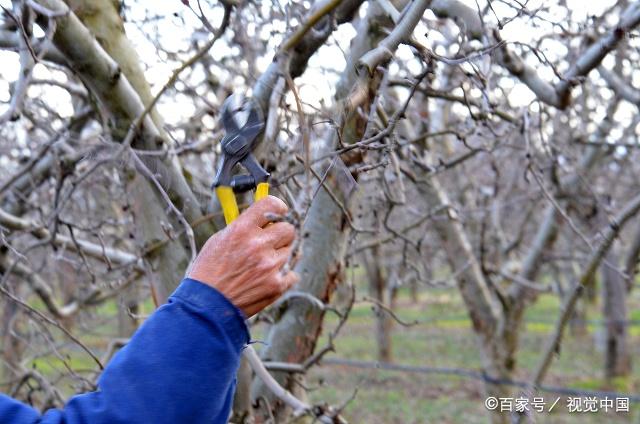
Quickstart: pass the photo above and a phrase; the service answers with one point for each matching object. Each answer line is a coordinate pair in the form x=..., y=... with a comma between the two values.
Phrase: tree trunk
x=379, y=291
x=617, y=361
x=167, y=263
x=486, y=315
x=413, y=291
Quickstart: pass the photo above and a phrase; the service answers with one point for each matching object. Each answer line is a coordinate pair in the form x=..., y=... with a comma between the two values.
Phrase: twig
x=390, y=311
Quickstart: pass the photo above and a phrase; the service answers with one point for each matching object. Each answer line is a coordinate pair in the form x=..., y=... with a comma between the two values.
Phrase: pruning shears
x=237, y=146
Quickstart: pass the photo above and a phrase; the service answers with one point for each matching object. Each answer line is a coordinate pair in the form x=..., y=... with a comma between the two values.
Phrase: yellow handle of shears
x=228, y=202
x=262, y=191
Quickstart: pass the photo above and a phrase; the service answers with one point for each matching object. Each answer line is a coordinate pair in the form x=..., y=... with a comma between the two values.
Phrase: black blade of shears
x=230, y=125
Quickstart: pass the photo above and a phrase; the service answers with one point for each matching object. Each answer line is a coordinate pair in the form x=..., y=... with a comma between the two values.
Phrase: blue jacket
x=179, y=367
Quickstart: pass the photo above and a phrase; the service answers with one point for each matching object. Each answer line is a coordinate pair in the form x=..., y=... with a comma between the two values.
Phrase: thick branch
x=402, y=31
x=462, y=14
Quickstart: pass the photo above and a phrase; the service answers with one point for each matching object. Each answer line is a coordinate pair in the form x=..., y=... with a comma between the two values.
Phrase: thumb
x=256, y=214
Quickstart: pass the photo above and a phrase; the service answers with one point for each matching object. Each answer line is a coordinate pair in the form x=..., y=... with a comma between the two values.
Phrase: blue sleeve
x=179, y=367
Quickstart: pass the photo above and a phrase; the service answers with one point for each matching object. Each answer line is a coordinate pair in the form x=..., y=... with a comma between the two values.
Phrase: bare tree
x=421, y=135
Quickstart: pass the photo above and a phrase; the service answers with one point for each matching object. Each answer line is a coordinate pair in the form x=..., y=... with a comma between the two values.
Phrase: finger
x=256, y=213
x=282, y=256
x=279, y=234
x=289, y=280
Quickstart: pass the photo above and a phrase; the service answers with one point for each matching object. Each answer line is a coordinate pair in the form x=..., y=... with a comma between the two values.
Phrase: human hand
x=244, y=260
